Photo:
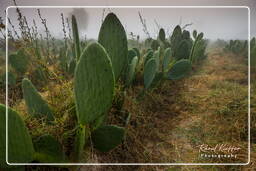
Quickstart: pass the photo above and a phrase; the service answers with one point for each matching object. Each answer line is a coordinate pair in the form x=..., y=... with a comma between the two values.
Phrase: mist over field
x=223, y=23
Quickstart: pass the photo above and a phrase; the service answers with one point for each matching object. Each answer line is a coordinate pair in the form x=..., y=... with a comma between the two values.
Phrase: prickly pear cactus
x=80, y=141
x=113, y=38
x=36, y=106
x=19, y=61
x=176, y=39
x=131, y=54
x=195, y=34
x=148, y=56
x=48, y=150
x=131, y=71
x=179, y=70
x=157, y=58
x=185, y=35
x=137, y=52
x=155, y=44
x=149, y=72
x=11, y=79
x=76, y=38
x=20, y=147
x=167, y=59
x=200, y=36
x=183, y=50
x=107, y=137
x=161, y=35
x=94, y=84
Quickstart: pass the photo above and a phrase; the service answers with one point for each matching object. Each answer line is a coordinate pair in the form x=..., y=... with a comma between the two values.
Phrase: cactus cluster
x=98, y=69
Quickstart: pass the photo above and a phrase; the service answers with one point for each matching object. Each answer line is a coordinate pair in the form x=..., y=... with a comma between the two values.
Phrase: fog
x=223, y=23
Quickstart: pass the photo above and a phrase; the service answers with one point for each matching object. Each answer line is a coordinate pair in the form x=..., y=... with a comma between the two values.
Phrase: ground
x=209, y=107
x=169, y=123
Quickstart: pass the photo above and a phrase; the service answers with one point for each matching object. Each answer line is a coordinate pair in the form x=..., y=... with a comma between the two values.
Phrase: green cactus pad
x=137, y=52
x=200, y=36
x=149, y=72
x=195, y=34
x=183, y=50
x=35, y=104
x=76, y=38
x=155, y=44
x=131, y=71
x=157, y=58
x=48, y=150
x=113, y=38
x=19, y=61
x=94, y=84
x=105, y=138
x=176, y=39
x=179, y=70
x=11, y=79
x=20, y=147
x=185, y=35
x=148, y=56
x=167, y=59
x=131, y=54
x=161, y=35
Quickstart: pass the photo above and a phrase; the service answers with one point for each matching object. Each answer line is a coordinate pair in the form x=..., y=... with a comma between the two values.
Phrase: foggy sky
x=215, y=23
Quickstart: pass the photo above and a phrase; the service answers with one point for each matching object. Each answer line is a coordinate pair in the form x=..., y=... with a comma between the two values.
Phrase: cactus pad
x=179, y=70
x=149, y=72
x=113, y=38
x=105, y=138
x=35, y=104
x=94, y=84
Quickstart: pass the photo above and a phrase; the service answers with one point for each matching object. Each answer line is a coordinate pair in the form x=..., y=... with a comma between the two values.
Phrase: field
x=178, y=98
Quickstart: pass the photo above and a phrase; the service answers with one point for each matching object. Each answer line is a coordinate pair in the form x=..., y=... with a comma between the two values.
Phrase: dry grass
x=169, y=123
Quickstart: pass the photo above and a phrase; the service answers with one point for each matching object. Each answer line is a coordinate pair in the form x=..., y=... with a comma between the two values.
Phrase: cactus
x=183, y=50
x=157, y=58
x=192, y=55
x=11, y=78
x=107, y=137
x=131, y=71
x=80, y=141
x=195, y=34
x=48, y=150
x=20, y=147
x=113, y=38
x=161, y=35
x=137, y=52
x=19, y=61
x=93, y=91
x=167, y=59
x=149, y=72
x=148, y=56
x=36, y=106
x=185, y=35
x=179, y=70
x=155, y=44
x=76, y=38
x=131, y=54
x=176, y=39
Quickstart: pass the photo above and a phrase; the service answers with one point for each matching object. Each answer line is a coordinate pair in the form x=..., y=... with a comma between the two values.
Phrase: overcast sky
x=224, y=23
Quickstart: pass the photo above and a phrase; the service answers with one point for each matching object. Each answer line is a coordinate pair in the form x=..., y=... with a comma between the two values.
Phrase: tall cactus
x=20, y=147
x=35, y=104
x=93, y=91
x=113, y=38
x=76, y=38
x=176, y=39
